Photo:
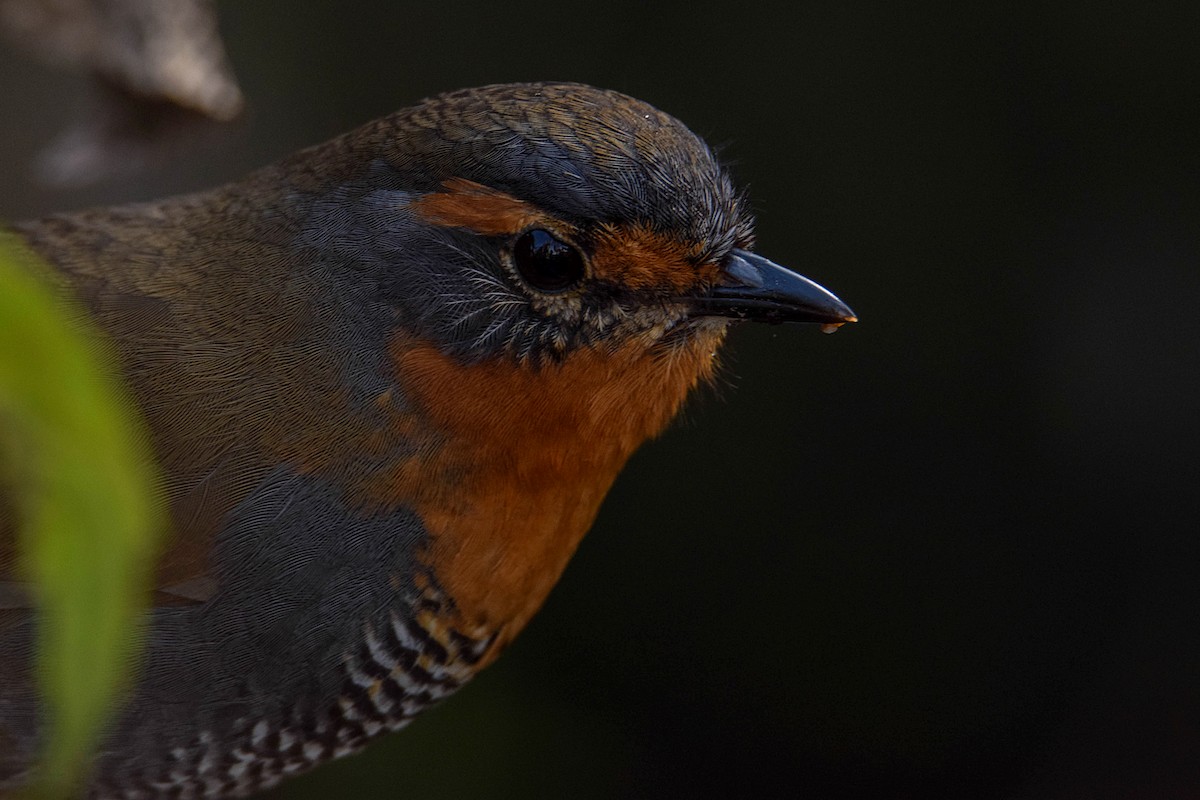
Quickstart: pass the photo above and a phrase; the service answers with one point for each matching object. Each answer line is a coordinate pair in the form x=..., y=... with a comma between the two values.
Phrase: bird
x=389, y=380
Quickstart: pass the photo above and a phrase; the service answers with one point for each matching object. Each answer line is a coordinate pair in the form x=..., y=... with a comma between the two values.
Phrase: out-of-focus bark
x=161, y=66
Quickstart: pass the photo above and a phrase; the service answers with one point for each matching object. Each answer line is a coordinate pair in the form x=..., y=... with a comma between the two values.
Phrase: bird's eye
x=548, y=264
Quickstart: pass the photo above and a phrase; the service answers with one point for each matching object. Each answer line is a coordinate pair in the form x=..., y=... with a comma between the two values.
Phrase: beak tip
x=840, y=315
x=761, y=290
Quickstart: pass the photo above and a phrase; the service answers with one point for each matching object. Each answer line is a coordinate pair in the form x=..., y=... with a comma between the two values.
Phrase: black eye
x=546, y=263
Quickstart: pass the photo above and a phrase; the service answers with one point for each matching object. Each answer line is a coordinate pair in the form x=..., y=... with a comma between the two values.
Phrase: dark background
x=940, y=554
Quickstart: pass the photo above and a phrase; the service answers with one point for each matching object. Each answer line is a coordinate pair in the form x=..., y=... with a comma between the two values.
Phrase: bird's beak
x=757, y=289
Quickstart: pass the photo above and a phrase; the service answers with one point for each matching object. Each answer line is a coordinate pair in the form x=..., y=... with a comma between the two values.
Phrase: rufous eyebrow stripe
x=487, y=211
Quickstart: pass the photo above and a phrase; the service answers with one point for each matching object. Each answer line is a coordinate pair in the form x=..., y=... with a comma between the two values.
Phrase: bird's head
x=532, y=220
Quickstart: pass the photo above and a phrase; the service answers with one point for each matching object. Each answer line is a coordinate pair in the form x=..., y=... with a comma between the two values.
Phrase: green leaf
x=74, y=453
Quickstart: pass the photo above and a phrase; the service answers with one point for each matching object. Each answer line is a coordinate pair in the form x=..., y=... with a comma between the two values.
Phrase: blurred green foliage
x=73, y=452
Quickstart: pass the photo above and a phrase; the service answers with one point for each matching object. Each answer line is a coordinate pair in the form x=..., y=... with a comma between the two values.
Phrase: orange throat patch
x=518, y=459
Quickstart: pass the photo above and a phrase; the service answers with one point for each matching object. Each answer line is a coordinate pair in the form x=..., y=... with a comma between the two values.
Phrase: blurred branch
x=161, y=65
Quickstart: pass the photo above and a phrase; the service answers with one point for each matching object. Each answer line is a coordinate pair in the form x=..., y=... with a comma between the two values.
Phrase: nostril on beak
x=740, y=272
